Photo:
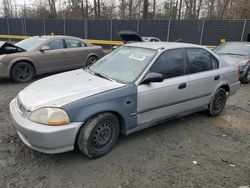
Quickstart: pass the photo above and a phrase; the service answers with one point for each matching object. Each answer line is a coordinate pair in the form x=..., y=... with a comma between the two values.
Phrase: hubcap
x=91, y=61
x=218, y=102
x=22, y=72
x=102, y=135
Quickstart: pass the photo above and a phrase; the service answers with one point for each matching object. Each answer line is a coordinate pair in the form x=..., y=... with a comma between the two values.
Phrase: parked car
x=44, y=54
x=132, y=88
x=151, y=39
x=131, y=36
x=238, y=52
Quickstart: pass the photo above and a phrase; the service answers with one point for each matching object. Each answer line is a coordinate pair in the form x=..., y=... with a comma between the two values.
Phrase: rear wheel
x=91, y=60
x=218, y=102
x=99, y=135
x=22, y=72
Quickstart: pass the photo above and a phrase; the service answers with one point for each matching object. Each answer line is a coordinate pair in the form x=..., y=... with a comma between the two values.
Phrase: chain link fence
x=205, y=32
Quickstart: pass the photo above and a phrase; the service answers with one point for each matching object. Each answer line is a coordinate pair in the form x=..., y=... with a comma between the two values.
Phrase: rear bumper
x=234, y=87
x=44, y=138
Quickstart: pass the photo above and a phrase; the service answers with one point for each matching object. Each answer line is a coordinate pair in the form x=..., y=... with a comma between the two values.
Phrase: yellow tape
x=13, y=37
x=105, y=42
x=108, y=42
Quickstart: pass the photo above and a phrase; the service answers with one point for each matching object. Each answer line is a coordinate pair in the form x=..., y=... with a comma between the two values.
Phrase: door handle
x=182, y=86
x=217, y=77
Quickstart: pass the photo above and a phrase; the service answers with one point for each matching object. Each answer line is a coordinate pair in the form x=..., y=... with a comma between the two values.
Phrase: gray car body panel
x=122, y=101
x=137, y=105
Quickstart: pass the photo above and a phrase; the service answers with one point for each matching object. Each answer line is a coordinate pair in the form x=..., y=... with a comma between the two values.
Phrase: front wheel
x=22, y=72
x=99, y=135
x=218, y=102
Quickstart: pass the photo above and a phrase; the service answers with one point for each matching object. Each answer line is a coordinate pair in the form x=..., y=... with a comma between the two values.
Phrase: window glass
x=170, y=64
x=55, y=44
x=31, y=43
x=125, y=64
x=215, y=62
x=73, y=43
x=199, y=60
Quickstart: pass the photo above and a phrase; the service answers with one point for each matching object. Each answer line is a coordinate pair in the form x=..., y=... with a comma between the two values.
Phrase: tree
x=95, y=9
x=130, y=9
x=52, y=6
x=145, y=9
x=154, y=7
x=86, y=9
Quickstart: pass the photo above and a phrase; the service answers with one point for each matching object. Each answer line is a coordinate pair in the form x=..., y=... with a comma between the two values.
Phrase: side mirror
x=152, y=77
x=44, y=48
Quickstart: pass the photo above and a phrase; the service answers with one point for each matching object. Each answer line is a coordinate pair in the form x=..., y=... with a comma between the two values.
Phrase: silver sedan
x=132, y=88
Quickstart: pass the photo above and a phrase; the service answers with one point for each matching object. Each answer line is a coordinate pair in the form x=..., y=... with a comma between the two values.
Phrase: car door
x=160, y=100
x=78, y=53
x=53, y=58
x=203, y=76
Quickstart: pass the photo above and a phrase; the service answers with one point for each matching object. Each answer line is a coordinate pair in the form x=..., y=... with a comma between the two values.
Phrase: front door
x=52, y=59
x=161, y=100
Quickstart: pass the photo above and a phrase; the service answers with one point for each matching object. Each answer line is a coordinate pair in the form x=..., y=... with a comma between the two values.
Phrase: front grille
x=20, y=106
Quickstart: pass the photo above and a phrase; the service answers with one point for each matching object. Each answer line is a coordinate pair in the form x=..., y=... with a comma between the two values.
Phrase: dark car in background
x=44, y=54
x=131, y=36
x=238, y=52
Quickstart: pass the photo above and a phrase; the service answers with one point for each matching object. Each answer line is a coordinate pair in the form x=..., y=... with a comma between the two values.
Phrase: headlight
x=50, y=116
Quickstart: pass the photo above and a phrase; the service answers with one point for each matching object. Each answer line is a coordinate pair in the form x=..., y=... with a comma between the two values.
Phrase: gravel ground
x=194, y=151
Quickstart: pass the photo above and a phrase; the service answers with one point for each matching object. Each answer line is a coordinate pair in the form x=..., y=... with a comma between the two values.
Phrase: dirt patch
x=162, y=156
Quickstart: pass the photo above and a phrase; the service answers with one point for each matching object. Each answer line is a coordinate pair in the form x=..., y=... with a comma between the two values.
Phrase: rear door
x=77, y=53
x=204, y=76
x=161, y=100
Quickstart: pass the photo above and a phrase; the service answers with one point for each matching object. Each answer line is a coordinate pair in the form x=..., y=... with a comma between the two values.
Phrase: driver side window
x=55, y=44
x=170, y=64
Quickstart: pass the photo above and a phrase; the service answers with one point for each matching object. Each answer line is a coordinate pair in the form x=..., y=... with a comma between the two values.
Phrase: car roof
x=57, y=36
x=163, y=45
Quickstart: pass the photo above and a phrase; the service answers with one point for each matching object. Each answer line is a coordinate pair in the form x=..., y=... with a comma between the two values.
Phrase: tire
x=91, y=60
x=218, y=102
x=246, y=78
x=98, y=135
x=22, y=72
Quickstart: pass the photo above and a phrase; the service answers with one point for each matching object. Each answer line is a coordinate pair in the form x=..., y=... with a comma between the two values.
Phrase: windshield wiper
x=97, y=74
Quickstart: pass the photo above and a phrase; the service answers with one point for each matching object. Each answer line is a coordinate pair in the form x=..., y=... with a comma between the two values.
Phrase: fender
x=18, y=59
x=221, y=83
x=121, y=101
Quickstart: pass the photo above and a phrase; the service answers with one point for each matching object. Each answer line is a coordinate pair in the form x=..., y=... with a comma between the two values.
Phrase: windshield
x=234, y=48
x=30, y=44
x=125, y=64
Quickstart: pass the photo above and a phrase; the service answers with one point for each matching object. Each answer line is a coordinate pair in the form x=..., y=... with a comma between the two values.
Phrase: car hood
x=234, y=58
x=12, y=48
x=64, y=88
x=129, y=36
